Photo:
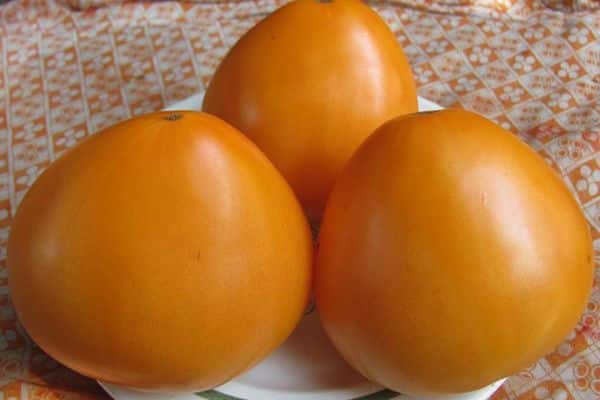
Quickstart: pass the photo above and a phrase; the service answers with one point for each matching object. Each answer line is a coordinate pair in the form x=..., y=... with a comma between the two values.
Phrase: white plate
x=305, y=367
x=195, y=103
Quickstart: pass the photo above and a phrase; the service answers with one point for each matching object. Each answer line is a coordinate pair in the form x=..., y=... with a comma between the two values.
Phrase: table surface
x=69, y=68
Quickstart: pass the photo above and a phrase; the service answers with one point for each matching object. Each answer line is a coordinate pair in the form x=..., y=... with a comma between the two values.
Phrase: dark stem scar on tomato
x=173, y=117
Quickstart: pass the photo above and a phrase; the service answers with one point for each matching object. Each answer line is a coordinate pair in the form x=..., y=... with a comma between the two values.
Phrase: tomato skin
x=450, y=256
x=164, y=253
x=308, y=84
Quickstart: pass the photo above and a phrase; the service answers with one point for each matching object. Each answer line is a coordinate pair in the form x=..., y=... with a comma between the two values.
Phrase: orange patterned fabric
x=69, y=68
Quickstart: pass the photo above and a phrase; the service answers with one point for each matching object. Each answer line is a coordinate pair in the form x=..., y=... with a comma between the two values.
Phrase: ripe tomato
x=450, y=255
x=308, y=84
x=164, y=253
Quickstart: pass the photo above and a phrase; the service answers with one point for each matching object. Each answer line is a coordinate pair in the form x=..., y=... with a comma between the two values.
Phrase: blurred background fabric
x=69, y=68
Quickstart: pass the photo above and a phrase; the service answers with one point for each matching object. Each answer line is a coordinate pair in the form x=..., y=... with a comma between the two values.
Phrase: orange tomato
x=164, y=253
x=450, y=255
x=308, y=84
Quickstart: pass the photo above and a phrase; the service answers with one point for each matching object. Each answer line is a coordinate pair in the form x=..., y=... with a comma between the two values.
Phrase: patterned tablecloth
x=68, y=69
